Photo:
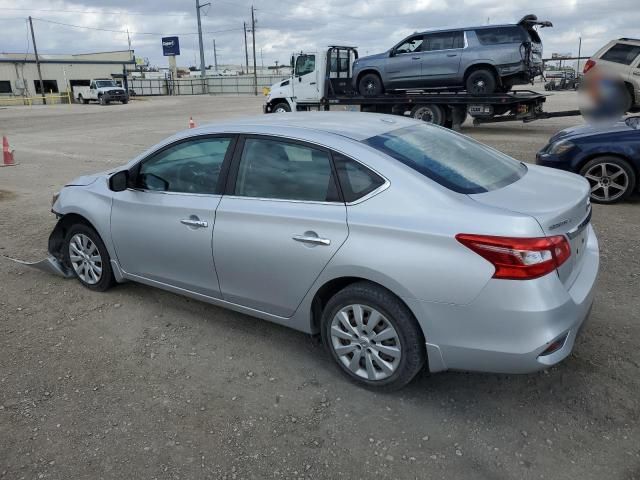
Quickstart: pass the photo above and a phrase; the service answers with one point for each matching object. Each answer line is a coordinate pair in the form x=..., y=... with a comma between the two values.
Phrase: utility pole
x=253, y=35
x=579, y=54
x=215, y=56
x=35, y=50
x=246, y=47
x=202, y=67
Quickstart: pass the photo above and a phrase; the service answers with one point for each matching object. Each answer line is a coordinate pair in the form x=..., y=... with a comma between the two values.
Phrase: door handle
x=194, y=222
x=415, y=58
x=452, y=54
x=311, y=239
x=312, y=83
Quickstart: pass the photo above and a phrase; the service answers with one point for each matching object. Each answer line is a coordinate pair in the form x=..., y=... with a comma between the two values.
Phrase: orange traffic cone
x=192, y=124
x=7, y=155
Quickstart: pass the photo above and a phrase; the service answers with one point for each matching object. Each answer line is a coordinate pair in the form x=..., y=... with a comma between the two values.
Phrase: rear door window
x=443, y=41
x=501, y=35
x=452, y=160
x=622, y=53
x=286, y=171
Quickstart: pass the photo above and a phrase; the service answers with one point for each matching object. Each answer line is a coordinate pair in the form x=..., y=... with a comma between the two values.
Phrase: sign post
x=171, y=48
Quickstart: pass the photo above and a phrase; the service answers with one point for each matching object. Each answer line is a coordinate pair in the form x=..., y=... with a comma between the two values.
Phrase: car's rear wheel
x=88, y=258
x=373, y=337
x=370, y=85
x=281, y=107
x=481, y=82
x=611, y=179
x=429, y=113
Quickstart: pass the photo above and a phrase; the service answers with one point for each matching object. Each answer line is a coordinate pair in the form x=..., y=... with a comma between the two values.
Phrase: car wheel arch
x=366, y=71
x=482, y=66
x=330, y=287
x=57, y=236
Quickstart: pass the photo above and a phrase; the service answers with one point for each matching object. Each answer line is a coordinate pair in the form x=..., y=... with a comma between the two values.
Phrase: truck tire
x=481, y=82
x=429, y=113
x=281, y=107
x=102, y=100
x=125, y=101
x=82, y=100
x=370, y=85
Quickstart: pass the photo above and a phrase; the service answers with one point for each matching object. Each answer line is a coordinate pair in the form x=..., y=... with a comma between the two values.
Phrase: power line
x=133, y=33
x=51, y=10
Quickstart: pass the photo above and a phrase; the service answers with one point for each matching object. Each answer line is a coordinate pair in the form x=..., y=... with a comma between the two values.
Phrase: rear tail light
x=554, y=346
x=519, y=258
x=589, y=65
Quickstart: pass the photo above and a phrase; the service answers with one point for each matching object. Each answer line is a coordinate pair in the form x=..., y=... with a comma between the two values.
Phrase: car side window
x=414, y=44
x=501, y=35
x=356, y=180
x=305, y=64
x=622, y=53
x=287, y=171
x=188, y=167
x=443, y=41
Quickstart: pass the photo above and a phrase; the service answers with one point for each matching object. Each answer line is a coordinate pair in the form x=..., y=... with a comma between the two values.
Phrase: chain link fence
x=227, y=85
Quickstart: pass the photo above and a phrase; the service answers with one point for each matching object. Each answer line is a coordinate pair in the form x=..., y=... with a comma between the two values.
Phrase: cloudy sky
x=287, y=25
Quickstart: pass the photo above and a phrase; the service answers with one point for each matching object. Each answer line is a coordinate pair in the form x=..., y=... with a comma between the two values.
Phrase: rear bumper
x=511, y=324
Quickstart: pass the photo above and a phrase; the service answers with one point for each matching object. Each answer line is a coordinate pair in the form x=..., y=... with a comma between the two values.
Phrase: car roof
x=479, y=27
x=354, y=125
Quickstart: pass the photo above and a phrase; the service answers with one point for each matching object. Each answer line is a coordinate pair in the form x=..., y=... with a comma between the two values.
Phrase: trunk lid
x=559, y=201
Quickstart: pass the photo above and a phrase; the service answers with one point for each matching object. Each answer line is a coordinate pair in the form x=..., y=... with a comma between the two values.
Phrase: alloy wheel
x=608, y=181
x=365, y=342
x=85, y=258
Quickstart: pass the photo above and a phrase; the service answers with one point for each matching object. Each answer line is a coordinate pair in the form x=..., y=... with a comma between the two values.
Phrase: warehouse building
x=19, y=74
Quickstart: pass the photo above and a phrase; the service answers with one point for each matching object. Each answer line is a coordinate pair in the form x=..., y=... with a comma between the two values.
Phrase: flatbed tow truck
x=322, y=80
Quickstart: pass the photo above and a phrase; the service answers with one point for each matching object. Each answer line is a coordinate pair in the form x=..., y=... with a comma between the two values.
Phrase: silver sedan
x=402, y=244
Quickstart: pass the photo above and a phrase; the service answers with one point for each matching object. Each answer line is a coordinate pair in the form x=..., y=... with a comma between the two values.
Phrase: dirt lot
x=139, y=383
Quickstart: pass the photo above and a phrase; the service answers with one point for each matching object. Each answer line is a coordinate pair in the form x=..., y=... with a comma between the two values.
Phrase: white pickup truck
x=101, y=90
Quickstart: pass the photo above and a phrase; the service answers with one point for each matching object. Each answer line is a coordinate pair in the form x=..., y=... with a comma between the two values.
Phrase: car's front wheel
x=87, y=256
x=370, y=85
x=373, y=337
x=611, y=179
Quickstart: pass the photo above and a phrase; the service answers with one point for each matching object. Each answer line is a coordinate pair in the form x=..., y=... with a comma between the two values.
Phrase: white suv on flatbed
x=621, y=57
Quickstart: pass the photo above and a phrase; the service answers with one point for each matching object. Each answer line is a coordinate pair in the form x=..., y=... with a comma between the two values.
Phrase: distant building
x=19, y=75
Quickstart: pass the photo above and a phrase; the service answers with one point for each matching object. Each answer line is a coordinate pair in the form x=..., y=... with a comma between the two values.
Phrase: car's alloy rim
x=479, y=86
x=85, y=259
x=608, y=181
x=365, y=342
x=281, y=110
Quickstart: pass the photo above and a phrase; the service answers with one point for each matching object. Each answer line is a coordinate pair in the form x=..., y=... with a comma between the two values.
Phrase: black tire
x=412, y=343
x=619, y=171
x=626, y=99
x=106, y=279
x=125, y=101
x=370, y=85
x=81, y=99
x=281, y=107
x=481, y=82
x=429, y=113
x=102, y=100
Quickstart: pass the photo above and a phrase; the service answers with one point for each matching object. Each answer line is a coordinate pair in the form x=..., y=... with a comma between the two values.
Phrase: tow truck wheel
x=281, y=107
x=370, y=85
x=428, y=113
x=101, y=100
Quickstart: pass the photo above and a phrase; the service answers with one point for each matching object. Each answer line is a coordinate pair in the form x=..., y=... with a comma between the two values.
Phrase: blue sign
x=170, y=46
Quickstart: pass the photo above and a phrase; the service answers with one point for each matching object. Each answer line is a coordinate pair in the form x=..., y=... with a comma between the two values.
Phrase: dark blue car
x=608, y=157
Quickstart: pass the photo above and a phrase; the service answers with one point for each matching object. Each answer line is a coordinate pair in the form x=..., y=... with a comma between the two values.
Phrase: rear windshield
x=453, y=160
x=500, y=35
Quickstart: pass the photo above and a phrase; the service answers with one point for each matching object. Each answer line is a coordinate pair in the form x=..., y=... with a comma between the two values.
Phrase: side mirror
x=119, y=182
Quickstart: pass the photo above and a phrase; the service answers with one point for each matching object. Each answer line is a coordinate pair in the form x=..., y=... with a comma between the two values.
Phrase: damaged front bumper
x=50, y=264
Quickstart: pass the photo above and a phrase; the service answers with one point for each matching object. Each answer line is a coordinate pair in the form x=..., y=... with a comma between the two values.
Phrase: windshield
x=453, y=160
x=106, y=83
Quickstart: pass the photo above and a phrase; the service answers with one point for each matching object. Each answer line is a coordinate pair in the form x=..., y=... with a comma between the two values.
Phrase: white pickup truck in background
x=101, y=90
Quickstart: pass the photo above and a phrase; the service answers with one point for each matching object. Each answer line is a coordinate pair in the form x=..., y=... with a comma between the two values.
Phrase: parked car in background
x=103, y=91
x=479, y=59
x=318, y=221
x=608, y=157
x=622, y=58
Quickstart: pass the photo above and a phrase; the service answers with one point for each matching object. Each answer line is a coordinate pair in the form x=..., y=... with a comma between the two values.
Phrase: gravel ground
x=140, y=383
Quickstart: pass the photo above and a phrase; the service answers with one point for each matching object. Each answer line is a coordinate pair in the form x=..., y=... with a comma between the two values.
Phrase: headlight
x=54, y=199
x=561, y=147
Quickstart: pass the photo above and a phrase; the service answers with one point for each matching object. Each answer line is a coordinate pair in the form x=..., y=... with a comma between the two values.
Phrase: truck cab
x=315, y=76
